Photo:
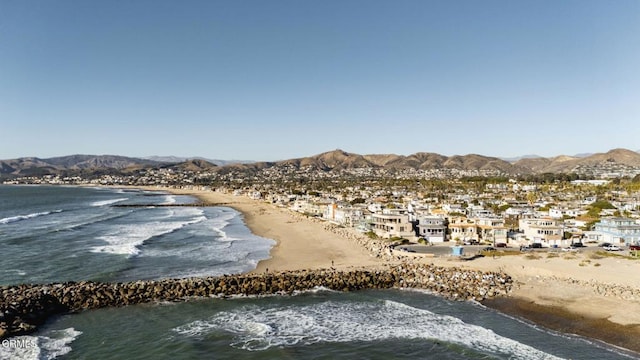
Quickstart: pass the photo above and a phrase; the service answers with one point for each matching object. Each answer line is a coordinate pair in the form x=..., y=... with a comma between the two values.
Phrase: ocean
x=54, y=234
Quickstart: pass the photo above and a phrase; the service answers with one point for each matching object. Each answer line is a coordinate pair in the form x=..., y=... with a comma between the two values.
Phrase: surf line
x=171, y=205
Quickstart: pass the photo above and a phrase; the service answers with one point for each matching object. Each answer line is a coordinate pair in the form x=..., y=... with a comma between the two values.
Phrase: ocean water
x=52, y=234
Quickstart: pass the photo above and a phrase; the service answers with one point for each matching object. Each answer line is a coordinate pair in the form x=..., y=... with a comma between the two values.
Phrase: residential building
x=545, y=231
x=432, y=229
x=618, y=230
x=475, y=211
x=492, y=230
x=462, y=229
x=392, y=223
x=347, y=216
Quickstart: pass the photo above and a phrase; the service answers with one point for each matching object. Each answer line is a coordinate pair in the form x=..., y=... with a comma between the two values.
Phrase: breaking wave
x=55, y=344
x=258, y=328
x=107, y=202
x=11, y=219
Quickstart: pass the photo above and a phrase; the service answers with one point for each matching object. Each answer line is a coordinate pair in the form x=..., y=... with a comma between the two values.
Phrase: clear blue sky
x=269, y=80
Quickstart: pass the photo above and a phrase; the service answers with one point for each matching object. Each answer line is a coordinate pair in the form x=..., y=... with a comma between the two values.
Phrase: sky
x=272, y=80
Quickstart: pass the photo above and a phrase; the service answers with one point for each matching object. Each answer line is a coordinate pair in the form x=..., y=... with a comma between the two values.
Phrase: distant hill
x=31, y=166
x=566, y=164
x=194, y=165
x=530, y=164
x=335, y=160
x=179, y=159
x=339, y=160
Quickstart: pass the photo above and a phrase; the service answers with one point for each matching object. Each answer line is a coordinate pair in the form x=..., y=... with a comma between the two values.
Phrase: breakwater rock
x=24, y=307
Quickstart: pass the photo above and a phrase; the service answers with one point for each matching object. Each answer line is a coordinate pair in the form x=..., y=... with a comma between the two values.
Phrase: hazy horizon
x=266, y=81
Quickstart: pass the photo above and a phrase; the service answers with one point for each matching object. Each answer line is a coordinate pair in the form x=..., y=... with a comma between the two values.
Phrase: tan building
x=492, y=230
x=462, y=229
x=392, y=224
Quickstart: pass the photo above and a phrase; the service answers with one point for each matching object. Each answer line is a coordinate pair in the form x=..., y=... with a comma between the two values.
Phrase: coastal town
x=598, y=206
x=567, y=243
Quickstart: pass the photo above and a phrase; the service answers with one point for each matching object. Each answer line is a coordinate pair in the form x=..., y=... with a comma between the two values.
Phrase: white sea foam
x=258, y=328
x=11, y=219
x=107, y=202
x=15, y=271
x=55, y=344
x=219, y=223
x=314, y=290
x=125, y=239
x=168, y=200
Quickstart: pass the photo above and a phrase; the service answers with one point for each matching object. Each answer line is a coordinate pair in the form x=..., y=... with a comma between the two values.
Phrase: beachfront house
x=308, y=207
x=432, y=229
x=462, y=229
x=618, y=230
x=545, y=231
x=347, y=216
x=492, y=230
x=392, y=223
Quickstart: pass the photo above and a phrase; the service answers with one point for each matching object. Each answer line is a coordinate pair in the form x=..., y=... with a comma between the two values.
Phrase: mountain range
x=179, y=159
x=328, y=161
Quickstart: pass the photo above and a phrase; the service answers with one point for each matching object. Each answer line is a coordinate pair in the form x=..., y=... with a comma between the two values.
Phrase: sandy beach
x=572, y=293
x=301, y=243
x=576, y=293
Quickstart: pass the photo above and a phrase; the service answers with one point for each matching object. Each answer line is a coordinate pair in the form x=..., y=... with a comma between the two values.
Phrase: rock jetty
x=24, y=307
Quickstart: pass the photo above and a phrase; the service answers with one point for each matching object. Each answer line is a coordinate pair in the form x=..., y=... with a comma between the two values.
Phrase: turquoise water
x=54, y=234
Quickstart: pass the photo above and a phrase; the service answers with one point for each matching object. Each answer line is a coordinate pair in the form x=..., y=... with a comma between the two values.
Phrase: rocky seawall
x=24, y=307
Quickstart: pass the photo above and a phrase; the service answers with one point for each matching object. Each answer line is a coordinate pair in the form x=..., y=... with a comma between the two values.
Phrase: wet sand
x=559, y=319
x=581, y=293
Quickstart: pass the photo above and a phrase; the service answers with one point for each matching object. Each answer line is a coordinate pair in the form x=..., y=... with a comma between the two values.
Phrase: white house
x=618, y=230
x=348, y=216
x=432, y=228
x=545, y=231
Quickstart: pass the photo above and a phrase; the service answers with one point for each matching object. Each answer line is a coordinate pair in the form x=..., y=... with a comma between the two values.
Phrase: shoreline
x=547, y=291
x=563, y=321
x=301, y=244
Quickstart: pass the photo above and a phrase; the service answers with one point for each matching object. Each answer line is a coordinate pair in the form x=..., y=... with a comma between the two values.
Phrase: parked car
x=578, y=245
x=611, y=248
x=605, y=244
x=536, y=246
x=489, y=248
x=571, y=249
x=634, y=247
x=501, y=245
